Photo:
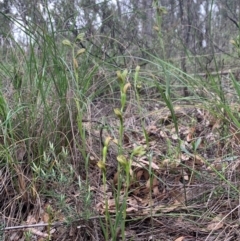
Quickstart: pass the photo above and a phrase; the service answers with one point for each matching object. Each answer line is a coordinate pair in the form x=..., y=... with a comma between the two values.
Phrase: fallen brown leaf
x=216, y=223
x=180, y=238
x=142, y=162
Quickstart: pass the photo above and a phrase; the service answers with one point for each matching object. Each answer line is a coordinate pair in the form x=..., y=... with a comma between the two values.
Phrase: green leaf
x=197, y=143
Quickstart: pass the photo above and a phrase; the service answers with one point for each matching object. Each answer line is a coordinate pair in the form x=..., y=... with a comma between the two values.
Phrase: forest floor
x=182, y=190
x=184, y=185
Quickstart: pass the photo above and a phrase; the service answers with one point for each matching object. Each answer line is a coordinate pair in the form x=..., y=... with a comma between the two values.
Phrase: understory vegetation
x=94, y=151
